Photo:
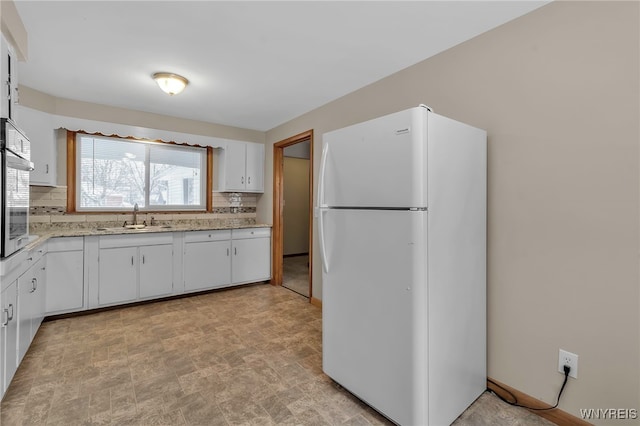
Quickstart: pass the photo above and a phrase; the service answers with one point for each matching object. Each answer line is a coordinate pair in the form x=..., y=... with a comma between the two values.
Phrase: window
x=115, y=174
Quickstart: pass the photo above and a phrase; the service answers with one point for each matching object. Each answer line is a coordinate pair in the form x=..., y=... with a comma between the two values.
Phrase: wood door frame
x=278, y=206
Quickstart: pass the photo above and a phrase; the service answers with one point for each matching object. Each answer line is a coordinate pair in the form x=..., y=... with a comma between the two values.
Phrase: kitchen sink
x=135, y=226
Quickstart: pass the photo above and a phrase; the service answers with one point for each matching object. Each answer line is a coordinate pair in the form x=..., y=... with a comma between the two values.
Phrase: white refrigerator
x=401, y=214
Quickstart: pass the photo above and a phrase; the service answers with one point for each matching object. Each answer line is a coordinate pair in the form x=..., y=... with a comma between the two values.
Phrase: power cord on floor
x=515, y=403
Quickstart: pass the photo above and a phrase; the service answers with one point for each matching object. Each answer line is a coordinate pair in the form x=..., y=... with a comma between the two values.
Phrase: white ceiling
x=250, y=64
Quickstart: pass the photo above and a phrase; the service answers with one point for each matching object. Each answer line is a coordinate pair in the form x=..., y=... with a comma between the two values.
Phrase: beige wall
x=557, y=90
x=89, y=111
x=296, y=207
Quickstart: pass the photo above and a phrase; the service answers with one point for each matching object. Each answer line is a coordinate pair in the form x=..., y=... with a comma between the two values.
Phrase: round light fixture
x=170, y=83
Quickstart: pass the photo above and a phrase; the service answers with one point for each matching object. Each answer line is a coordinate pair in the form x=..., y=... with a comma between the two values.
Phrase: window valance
x=127, y=131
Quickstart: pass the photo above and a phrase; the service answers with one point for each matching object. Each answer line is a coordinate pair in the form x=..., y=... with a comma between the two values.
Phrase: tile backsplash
x=48, y=210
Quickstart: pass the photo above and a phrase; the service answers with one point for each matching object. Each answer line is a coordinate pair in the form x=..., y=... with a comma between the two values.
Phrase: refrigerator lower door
x=374, y=309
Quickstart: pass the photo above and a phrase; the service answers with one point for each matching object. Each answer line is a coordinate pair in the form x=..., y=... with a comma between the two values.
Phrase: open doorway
x=292, y=214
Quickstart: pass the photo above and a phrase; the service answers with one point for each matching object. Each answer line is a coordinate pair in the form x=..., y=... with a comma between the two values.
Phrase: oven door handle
x=19, y=163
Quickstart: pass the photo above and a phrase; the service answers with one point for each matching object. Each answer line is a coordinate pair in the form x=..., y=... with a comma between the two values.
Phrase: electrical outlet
x=567, y=358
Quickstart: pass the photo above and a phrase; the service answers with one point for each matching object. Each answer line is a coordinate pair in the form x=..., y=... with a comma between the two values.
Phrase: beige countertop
x=87, y=231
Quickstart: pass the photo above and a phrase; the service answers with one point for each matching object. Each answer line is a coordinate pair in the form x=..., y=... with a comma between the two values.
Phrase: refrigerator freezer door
x=378, y=163
x=374, y=309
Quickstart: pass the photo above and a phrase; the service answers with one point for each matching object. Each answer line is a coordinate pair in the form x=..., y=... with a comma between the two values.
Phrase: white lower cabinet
x=65, y=275
x=40, y=296
x=133, y=267
x=207, y=259
x=214, y=259
x=21, y=308
x=251, y=260
x=118, y=275
x=26, y=311
x=156, y=270
x=9, y=334
x=31, y=300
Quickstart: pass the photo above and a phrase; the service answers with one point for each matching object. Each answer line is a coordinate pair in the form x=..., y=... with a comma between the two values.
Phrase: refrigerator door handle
x=323, y=251
x=321, y=177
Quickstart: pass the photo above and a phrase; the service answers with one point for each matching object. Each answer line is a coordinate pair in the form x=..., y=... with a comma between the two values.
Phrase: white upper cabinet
x=254, y=167
x=38, y=127
x=240, y=168
x=8, y=81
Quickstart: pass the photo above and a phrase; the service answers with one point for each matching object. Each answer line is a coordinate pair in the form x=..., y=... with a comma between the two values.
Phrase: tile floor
x=250, y=355
x=295, y=274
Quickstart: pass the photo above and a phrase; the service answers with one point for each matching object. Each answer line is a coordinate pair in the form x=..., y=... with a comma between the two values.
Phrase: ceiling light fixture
x=170, y=83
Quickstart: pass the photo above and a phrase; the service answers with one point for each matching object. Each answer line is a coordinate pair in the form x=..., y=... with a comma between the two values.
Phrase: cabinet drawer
x=199, y=236
x=239, y=234
x=36, y=253
x=65, y=244
x=111, y=241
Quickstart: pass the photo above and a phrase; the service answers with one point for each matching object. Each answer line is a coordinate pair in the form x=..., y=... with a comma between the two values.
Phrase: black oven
x=16, y=165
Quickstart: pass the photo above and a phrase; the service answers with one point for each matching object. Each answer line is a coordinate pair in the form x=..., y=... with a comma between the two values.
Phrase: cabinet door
x=156, y=270
x=2, y=345
x=207, y=265
x=117, y=281
x=255, y=167
x=9, y=81
x=25, y=311
x=39, y=295
x=9, y=334
x=5, y=90
x=251, y=260
x=235, y=163
x=65, y=282
x=38, y=126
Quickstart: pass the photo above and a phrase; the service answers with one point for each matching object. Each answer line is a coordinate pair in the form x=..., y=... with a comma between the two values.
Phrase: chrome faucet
x=135, y=213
